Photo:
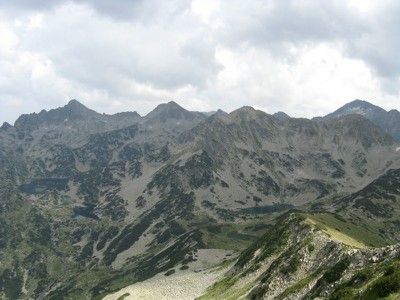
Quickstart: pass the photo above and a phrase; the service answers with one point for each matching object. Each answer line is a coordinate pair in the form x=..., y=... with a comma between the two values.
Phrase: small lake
x=86, y=211
x=40, y=185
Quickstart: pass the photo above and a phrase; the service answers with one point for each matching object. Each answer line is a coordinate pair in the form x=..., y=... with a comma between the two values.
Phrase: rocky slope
x=301, y=258
x=95, y=202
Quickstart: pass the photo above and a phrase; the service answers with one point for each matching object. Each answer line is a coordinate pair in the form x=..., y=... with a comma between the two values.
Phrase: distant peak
x=360, y=103
x=168, y=108
x=249, y=113
x=173, y=103
x=244, y=109
x=171, y=110
x=170, y=105
x=76, y=109
x=280, y=115
x=219, y=112
x=360, y=107
x=75, y=103
x=5, y=126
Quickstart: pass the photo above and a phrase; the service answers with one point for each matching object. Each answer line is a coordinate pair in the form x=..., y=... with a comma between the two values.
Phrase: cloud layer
x=303, y=57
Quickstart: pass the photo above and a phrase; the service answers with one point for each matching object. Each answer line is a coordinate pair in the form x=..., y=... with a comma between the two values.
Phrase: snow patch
x=358, y=110
x=397, y=149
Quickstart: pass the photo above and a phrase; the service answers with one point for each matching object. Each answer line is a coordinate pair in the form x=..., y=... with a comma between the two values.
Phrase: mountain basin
x=40, y=185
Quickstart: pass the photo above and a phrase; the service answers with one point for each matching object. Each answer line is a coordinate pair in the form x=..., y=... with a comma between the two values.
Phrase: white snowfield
x=398, y=149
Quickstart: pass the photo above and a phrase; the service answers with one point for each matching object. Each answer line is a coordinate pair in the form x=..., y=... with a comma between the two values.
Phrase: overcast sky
x=305, y=58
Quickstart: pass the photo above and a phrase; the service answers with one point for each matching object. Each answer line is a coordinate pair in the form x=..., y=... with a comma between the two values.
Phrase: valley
x=249, y=204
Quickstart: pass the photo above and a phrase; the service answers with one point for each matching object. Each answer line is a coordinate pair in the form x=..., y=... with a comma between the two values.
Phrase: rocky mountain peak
x=388, y=121
x=250, y=114
x=360, y=107
x=73, y=111
x=5, y=126
x=75, y=103
x=245, y=112
x=219, y=112
x=171, y=110
x=280, y=115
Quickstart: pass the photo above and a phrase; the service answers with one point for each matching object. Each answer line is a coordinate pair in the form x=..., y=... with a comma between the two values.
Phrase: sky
x=304, y=57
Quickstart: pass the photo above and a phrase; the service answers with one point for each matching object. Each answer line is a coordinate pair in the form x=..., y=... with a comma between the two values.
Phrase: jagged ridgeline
x=91, y=203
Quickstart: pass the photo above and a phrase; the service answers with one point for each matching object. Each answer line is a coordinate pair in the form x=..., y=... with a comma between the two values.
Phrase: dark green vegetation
x=376, y=282
x=91, y=203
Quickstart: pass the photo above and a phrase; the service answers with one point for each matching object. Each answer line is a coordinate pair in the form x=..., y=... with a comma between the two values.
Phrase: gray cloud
x=146, y=11
x=27, y=5
x=273, y=54
x=100, y=51
x=278, y=25
x=378, y=46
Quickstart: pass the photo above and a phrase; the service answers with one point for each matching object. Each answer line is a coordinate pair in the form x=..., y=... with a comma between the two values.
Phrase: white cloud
x=207, y=10
x=303, y=57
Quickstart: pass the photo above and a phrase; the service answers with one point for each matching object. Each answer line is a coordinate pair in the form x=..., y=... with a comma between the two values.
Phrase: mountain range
x=90, y=203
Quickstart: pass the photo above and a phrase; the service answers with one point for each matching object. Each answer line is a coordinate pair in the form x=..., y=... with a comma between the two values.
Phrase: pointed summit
x=280, y=115
x=249, y=113
x=75, y=104
x=388, y=121
x=73, y=110
x=171, y=110
x=359, y=107
x=5, y=126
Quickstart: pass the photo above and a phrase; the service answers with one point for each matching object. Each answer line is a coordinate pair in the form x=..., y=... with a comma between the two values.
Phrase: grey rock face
x=389, y=121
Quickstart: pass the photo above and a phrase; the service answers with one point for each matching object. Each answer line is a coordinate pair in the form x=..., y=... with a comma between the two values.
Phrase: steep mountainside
x=95, y=202
x=301, y=258
x=376, y=206
x=388, y=120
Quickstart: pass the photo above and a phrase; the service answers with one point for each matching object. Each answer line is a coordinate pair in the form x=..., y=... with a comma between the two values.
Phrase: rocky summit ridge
x=95, y=202
x=387, y=120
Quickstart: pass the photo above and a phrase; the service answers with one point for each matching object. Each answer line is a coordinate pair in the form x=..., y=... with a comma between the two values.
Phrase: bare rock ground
x=183, y=285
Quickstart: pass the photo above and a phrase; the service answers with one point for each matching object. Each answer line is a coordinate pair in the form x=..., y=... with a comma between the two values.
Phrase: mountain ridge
x=388, y=120
x=99, y=203
x=299, y=259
